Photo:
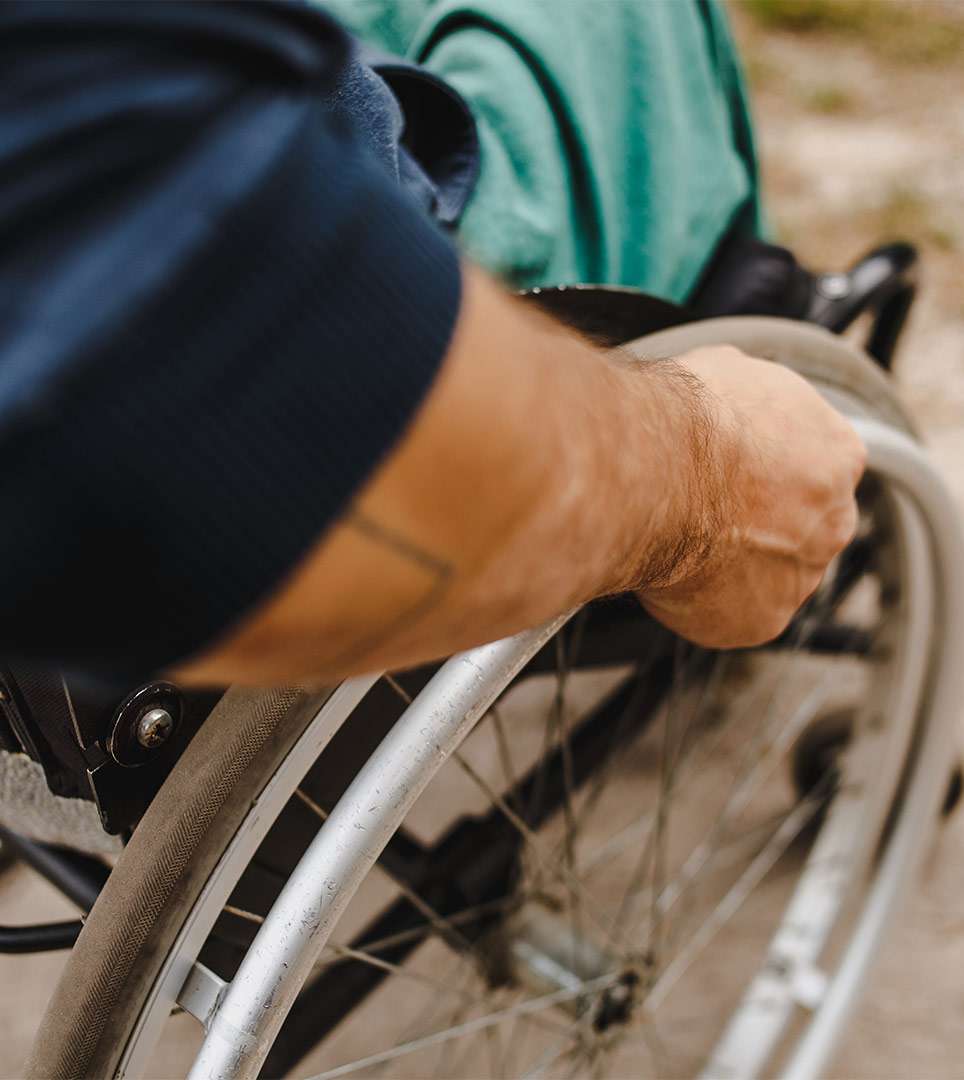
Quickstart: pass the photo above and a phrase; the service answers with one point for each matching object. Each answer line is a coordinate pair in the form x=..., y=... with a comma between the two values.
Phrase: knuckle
x=840, y=531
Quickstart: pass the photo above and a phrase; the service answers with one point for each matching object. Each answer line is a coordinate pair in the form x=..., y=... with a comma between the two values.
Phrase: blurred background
x=859, y=107
x=860, y=114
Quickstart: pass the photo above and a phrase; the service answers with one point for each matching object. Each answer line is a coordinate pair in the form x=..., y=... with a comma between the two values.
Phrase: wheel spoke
x=558, y=1052
x=398, y=688
x=427, y=1019
x=444, y=1062
x=702, y=856
x=439, y=985
x=560, y=723
x=505, y=755
x=692, y=762
x=573, y=632
x=544, y=858
x=444, y=926
x=619, y=729
x=652, y=854
x=495, y=1045
x=657, y=862
x=730, y=850
x=389, y=941
x=734, y=899
x=762, y=754
x=680, y=753
x=241, y=913
x=320, y=811
x=657, y=894
x=526, y=1008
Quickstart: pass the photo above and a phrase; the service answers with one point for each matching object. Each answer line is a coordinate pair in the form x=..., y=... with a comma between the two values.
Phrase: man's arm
x=541, y=473
x=224, y=324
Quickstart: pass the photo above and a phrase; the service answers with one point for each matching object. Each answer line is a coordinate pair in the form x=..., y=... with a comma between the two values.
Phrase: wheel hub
x=543, y=953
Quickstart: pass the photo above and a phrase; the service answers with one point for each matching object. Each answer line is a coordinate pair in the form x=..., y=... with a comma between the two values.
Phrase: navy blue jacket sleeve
x=217, y=315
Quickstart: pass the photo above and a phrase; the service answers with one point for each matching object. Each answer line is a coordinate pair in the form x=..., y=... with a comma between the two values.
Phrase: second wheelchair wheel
x=611, y=871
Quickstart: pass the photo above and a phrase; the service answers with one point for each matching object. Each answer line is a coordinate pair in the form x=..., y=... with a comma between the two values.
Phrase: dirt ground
x=860, y=110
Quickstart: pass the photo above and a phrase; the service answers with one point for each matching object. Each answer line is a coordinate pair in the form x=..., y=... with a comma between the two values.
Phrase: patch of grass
x=907, y=213
x=829, y=100
x=911, y=33
x=810, y=15
x=923, y=40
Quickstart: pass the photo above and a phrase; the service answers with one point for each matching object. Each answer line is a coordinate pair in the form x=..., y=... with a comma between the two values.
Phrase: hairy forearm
x=538, y=474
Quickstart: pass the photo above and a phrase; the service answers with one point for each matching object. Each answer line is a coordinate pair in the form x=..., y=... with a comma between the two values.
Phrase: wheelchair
x=589, y=850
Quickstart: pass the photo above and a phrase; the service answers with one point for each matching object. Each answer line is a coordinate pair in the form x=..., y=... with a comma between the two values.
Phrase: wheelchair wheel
x=611, y=871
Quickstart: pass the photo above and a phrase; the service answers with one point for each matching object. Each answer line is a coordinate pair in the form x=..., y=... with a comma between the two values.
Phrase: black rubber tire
x=161, y=873
x=159, y=876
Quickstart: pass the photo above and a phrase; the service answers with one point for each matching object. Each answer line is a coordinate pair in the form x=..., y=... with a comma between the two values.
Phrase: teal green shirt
x=616, y=142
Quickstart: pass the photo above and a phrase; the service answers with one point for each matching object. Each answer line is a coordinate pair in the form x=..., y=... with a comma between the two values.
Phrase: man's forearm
x=538, y=474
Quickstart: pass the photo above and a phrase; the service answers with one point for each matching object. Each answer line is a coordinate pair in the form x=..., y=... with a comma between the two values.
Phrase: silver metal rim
x=217, y=889
x=407, y=760
x=793, y=975
x=247, y=1019
x=907, y=468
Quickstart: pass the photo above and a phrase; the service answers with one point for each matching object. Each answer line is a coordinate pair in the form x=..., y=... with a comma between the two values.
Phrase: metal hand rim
x=298, y=925
x=424, y=737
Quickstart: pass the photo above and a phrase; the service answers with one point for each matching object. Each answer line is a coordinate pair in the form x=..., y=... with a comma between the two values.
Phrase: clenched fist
x=542, y=472
x=769, y=502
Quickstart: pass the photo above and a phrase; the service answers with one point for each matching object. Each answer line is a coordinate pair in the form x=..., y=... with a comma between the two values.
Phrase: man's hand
x=775, y=503
x=542, y=472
